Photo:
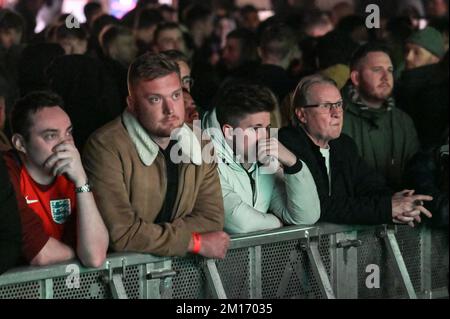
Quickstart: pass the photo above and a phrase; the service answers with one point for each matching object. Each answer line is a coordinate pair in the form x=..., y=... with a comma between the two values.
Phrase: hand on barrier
x=407, y=207
x=214, y=245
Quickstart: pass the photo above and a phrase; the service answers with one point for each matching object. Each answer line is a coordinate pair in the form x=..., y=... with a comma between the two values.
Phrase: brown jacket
x=127, y=171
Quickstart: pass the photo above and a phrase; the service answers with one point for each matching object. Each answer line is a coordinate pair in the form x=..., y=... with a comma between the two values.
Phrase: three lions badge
x=60, y=210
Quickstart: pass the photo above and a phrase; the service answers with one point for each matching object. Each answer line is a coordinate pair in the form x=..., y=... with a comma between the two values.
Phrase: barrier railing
x=324, y=261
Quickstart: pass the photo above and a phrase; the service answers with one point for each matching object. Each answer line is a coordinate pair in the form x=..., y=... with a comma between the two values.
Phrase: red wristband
x=197, y=238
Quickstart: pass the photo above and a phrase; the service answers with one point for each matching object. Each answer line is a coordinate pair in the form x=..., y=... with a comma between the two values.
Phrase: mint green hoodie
x=291, y=199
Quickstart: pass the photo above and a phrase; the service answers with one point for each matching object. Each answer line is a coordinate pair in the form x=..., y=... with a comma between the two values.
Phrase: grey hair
x=301, y=97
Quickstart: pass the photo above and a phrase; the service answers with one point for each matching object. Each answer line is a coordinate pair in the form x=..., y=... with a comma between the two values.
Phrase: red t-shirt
x=54, y=204
x=46, y=211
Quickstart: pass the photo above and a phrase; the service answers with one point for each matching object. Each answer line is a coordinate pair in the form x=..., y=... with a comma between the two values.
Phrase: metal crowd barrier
x=325, y=261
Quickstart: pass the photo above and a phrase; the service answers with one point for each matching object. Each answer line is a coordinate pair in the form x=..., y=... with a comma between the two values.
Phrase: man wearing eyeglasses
x=187, y=81
x=385, y=135
x=350, y=191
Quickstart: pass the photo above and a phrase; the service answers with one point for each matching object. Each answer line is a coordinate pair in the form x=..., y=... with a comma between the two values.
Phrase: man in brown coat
x=152, y=203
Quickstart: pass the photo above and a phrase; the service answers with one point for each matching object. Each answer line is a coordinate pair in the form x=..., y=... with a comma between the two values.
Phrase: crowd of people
x=167, y=131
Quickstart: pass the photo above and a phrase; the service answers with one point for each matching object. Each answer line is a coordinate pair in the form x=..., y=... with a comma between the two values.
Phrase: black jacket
x=10, y=230
x=275, y=78
x=428, y=174
x=423, y=94
x=358, y=194
x=90, y=94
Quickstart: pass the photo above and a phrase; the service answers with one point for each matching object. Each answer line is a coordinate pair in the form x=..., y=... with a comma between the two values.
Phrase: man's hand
x=215, y=245
x=407, y=207
x=269, y=149
x=66, y=160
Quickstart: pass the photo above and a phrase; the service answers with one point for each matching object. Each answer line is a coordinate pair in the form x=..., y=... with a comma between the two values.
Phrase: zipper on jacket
x=253, y=184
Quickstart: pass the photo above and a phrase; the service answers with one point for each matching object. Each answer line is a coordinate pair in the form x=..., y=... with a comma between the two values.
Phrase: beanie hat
x=429, y=39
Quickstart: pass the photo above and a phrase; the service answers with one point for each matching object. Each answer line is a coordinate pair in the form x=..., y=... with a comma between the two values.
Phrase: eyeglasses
x=327, y=107
x=188, y=82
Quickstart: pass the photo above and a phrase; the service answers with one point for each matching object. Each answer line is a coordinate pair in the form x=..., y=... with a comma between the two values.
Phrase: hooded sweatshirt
x=255, y=200
x=386, y=137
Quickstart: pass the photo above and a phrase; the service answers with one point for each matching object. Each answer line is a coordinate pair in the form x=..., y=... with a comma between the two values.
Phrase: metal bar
x=166, y=284
x=117, y=287
x=161, y=274
x=157, y=280
x=255, y=274
x=47, y=289
x=156, y=289
x=344, y=262
x=151, y=287
x=290, y=233
x=440, y=293
x=287, y=275
x=142, y=282
x=399, y=263
x=26, y=274
x=264, y=238
x=425, y=260
x=213, y=280
x=319, y=269
x=329, y=229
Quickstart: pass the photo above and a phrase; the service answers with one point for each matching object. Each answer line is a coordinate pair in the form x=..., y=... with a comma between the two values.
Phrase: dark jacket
x=423, y=94
x=275, y=78
x=358, y=194
x=386, y=137
x=428, y=174
x=90, y=96
x=10, y=230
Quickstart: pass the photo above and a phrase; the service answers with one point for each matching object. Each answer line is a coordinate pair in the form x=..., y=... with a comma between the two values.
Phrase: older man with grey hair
x=350, y=192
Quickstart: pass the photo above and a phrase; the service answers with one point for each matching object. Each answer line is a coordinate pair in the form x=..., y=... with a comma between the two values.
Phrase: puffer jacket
x=255, y=200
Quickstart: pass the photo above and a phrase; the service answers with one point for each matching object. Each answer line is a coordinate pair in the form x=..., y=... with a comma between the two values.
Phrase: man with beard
x=385, y=135
x=151, y=201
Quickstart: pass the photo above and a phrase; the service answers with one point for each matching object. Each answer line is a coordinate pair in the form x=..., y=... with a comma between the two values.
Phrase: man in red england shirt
x=60, y=219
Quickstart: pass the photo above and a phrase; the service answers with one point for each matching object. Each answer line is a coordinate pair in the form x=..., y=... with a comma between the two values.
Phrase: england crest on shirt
x=60, y=210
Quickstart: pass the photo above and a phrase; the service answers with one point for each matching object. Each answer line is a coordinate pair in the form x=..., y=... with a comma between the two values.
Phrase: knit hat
x=429, y=39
